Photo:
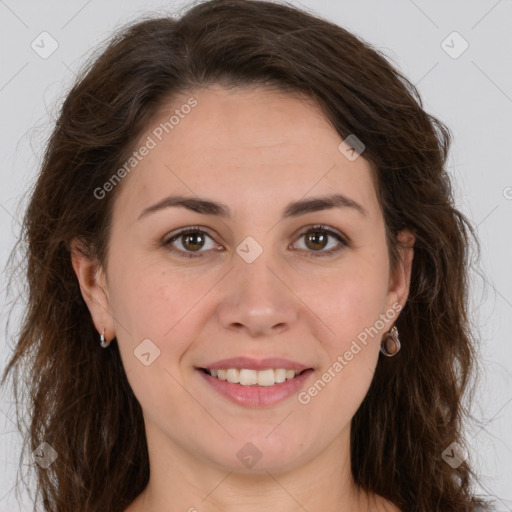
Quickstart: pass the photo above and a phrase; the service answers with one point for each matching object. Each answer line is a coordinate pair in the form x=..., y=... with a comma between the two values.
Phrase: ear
x=400, y=278
x=93, y=285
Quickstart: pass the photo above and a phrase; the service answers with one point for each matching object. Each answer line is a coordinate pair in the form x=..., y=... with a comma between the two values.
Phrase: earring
x=392, y=335
x=103, y=342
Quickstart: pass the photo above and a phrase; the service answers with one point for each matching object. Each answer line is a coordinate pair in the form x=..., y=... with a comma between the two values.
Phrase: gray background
x=472, y=94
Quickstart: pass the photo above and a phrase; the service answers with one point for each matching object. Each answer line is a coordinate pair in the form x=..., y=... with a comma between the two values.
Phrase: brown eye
x=191, y=240
x=317, y=239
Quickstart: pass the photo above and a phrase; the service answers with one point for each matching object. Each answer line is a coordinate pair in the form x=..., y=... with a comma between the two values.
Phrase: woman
x=247, y=278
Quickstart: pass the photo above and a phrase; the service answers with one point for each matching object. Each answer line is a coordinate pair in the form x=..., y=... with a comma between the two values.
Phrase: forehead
x=245, y=147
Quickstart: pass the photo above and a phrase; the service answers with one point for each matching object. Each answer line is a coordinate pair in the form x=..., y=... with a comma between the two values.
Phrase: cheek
x=147, y=301
x=153, y=309
x=351, y=306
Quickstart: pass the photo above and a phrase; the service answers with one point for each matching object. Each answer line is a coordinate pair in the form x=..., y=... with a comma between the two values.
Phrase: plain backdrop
x=468, y=88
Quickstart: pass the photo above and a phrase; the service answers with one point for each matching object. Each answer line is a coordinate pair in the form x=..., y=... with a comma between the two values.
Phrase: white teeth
x=232, y=375
x=290, y=374
x=247, y=377
x=280, y=375
x=266, y=377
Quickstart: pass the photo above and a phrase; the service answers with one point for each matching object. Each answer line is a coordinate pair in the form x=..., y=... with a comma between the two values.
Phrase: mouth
x=252, y=388
x=250, y=377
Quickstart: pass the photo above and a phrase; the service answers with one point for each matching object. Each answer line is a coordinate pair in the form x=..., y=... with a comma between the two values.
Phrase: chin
x=258, y=456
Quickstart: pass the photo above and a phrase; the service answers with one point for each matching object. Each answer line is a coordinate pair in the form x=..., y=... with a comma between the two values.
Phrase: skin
x=255, y=150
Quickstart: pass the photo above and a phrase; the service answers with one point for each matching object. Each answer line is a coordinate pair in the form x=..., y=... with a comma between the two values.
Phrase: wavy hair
x=77, y=394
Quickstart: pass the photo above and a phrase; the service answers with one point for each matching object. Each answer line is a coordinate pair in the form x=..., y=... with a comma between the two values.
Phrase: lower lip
x=257, y=396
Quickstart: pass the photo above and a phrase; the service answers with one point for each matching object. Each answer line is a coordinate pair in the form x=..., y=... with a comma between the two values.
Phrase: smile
x=249, y=392
x=247, y=377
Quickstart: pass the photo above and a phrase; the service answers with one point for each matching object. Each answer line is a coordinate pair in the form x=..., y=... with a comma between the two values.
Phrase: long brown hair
x=79, y=399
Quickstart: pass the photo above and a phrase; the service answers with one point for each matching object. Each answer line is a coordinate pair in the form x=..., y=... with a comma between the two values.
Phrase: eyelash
x=315, y=228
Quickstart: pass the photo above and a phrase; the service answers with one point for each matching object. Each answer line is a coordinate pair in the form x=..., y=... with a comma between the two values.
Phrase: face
x=310, y=286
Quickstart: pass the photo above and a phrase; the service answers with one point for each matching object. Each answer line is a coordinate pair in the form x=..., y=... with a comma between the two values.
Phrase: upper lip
x=255, y=364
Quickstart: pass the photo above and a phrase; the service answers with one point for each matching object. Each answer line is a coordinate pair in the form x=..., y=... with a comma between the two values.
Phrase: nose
x=257, y=299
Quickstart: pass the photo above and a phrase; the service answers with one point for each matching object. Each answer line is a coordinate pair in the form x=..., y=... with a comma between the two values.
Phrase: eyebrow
x=294, y=209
